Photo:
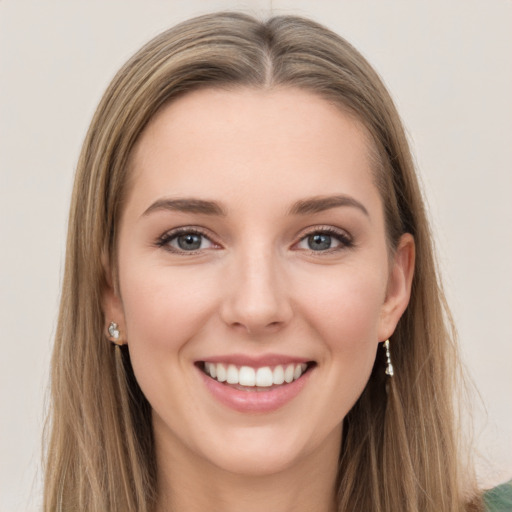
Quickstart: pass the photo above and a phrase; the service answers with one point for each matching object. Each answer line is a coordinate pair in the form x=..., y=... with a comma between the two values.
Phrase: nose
x=255, y=298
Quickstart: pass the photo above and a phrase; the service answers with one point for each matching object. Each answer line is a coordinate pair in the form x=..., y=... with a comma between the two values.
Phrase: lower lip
x=255, y=401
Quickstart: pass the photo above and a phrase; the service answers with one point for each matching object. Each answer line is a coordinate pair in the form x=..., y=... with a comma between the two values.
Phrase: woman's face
x=252, y=251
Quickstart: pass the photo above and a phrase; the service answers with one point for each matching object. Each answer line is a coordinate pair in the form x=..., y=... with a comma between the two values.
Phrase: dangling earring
x=114, y=333
x=389, y=367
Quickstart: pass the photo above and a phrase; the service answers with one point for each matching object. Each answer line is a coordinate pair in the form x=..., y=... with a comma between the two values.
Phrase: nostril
x=240, y=326
x=253, y=328
x=273, y=326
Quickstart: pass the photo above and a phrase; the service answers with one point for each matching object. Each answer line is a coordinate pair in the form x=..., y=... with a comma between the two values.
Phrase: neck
x=187, y=484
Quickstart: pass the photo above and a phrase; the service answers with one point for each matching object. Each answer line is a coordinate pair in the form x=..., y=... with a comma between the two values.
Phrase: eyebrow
x=321, y=203
x=302, y=207
x=187, y=206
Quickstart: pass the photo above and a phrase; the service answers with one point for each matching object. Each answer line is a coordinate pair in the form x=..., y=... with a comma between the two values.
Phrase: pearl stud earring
x=113, y=331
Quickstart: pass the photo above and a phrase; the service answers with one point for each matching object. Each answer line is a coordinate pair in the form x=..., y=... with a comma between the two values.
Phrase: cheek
x=163, y=309
x=341, y=308
x=344, y=305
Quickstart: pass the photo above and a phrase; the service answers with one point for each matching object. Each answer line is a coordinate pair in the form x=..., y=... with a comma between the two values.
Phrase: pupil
x=319, y=242
x=189, y=242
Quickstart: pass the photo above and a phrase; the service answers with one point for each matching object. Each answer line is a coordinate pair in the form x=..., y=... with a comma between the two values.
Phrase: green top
x=499, y=499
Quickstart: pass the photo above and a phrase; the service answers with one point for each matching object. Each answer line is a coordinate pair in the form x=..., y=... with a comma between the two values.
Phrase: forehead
x=247, y=140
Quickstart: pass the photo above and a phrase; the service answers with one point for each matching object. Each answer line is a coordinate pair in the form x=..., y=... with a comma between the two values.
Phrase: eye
x=325, y=240
x=185, y=240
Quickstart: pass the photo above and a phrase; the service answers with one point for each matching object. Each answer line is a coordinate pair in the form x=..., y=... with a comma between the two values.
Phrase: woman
x=251, y=314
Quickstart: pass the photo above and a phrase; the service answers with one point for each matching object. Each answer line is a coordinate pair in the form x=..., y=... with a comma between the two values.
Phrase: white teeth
x=247, y=376
x=288, y=373
x=221, y=372
x=264, y=377
x=260, y=377
x=232, y=375
x=278, y=377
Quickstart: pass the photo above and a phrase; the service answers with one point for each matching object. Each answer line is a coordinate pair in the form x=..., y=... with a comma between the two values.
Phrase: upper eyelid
x=324, y=229
x=186, y=229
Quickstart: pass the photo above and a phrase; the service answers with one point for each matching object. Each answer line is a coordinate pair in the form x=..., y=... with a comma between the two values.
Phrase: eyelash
x=343, y=238
x=169, y=236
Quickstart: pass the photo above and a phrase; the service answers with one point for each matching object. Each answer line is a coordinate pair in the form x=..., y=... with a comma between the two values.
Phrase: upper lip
x=256, y=361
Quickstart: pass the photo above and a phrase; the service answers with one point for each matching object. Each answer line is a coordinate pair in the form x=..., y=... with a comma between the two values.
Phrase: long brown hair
x=400, y=450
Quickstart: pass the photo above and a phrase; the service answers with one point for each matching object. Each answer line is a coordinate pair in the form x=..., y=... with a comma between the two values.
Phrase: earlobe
x=114, y=316
x=399, y=286
x=112, y=310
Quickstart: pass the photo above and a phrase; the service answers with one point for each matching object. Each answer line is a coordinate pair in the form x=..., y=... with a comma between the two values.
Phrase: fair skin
x=264, y=272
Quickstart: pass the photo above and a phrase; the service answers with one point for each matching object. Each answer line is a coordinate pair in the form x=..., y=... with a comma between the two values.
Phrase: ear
x=112, y=307
x=399, y=285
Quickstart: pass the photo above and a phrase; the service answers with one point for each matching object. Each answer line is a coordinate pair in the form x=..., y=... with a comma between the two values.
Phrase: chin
x=256, y=463
x=261, y=452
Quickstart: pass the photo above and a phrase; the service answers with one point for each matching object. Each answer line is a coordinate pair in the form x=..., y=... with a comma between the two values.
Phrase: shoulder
x=499, y=499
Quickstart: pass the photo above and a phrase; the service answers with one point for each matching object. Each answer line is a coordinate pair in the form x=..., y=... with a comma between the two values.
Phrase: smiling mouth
x=247, y=378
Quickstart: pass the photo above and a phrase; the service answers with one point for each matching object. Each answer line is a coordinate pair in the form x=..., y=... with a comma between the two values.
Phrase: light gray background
x=448, y=66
